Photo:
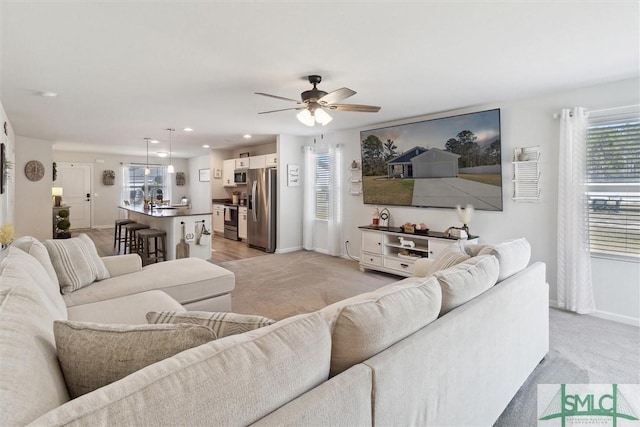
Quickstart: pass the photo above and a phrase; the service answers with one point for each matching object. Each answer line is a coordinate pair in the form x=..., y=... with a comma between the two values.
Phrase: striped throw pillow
x=222, y=324
x=76, y=262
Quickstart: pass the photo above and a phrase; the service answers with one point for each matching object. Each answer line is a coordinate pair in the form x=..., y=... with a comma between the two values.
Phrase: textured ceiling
x=128, y=70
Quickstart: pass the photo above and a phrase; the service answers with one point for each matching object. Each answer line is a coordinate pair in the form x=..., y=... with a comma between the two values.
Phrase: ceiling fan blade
x=276, y=96
x=354, y=107
x=284, y=109
x=336, y=95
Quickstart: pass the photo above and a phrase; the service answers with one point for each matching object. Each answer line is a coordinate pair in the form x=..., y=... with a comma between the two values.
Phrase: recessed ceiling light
x=162, y=154
x=247, y=136
x=187, y=130
x=48, y=94
x=205, y=146
x=153, y=141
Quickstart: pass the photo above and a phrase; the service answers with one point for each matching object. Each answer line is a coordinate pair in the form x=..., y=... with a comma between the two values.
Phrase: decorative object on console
x=56, y=192
x=61, y=224
x=406, y=243
x=108, y=177
x=465, y=216
x=180, y=178
x=464, y=149
x=385, y=217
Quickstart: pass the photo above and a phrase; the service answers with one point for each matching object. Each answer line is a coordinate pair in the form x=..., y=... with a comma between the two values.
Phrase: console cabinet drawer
x=372, y=259
x=404, y=266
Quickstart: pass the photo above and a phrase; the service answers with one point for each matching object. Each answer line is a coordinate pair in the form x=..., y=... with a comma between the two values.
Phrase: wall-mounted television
x=435, y=163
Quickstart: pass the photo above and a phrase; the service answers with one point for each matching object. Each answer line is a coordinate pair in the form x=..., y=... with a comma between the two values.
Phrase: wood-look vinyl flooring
x=221, y=249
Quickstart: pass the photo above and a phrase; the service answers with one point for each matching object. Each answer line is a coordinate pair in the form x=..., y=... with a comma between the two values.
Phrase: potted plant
x=63, y=225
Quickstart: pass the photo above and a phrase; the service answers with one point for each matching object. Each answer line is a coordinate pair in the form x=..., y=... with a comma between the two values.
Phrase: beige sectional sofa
x=411, y=353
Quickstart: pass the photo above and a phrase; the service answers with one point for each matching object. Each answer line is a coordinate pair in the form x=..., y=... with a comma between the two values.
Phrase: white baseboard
x=101, y=227
x=287, y=250
x=607, y=315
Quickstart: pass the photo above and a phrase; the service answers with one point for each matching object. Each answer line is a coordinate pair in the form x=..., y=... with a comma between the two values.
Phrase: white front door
x=75, y=180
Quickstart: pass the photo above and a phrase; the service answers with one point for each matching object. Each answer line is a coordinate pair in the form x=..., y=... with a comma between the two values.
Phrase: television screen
x=435, y=163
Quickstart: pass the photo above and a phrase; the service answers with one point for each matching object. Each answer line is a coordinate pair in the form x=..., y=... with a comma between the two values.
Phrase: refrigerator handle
x=253, y=198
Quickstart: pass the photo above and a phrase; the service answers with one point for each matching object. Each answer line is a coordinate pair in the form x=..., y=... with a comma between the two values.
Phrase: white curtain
x=575, y=290
x=308, y=206
x=334, y=238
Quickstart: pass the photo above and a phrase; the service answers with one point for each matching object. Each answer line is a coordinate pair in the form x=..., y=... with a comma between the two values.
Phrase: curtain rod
x=604, y=110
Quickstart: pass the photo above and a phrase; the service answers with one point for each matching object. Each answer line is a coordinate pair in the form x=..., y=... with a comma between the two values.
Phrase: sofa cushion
x=129, y=309
x=466, y=280
x=36, y=249
x=366, y=324
x=76, y=262
x=93, y=355
x=513, y=256
x=31, y=382
x=222, y=324
x=449, y=256
x=235, y=380
x=185, y=280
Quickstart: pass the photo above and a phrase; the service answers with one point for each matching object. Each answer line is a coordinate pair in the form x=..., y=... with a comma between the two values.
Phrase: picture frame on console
x=439, y=163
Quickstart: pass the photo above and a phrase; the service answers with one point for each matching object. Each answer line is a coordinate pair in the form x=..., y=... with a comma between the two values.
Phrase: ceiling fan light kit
x=315, y=101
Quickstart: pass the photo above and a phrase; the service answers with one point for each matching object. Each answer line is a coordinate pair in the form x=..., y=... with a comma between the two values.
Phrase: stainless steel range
x=231, y=221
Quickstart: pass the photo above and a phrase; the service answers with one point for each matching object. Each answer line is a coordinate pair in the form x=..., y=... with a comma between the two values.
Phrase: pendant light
x=147, y=171
x=170, y=167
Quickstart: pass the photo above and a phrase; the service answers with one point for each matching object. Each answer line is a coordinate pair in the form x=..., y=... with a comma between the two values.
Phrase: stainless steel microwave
x=240, y=176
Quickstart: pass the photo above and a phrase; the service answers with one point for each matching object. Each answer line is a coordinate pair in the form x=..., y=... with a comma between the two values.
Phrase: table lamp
x=56, y=192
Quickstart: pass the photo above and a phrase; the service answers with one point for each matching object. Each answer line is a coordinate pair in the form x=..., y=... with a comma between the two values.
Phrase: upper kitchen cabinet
x=257, y=162
x=271, y=160
x=228, y=167
x=242, y=163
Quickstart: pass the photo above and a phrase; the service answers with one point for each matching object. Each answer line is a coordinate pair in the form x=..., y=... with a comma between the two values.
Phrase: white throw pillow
x=448, y=257
x=223, y=324
x=36, y=249
x=76, y=262
x=513, y=256
x=466, y=281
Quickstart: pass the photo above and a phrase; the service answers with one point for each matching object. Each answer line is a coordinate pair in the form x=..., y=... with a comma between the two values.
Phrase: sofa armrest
x=119, y=265
x=421, y=267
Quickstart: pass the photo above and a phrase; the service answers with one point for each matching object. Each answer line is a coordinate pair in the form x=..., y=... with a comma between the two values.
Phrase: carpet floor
x=583, y=349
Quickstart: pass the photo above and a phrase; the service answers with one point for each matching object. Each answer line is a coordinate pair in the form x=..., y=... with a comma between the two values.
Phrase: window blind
x=322, y=178
x=613, y=181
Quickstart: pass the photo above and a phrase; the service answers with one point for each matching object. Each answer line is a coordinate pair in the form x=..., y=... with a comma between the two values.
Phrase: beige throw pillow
x=367, y=324
x=76, y=262
x=448, y=257
x=222, y=324
x=466, y=281
x=93, y=355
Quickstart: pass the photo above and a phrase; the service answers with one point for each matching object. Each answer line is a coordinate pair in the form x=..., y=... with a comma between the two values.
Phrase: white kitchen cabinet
x=218, y=218
x=228, y=167
x=271, y=160
x=381, y=249
x=257, y=162
x=242, y=223
x=242, y=163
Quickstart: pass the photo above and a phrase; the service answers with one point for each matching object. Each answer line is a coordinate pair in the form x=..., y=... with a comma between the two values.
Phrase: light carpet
x=583, y=349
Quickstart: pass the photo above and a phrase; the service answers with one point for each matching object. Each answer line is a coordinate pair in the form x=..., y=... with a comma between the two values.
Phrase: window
x=613, y=182
x=134, y=183
x=322, y=180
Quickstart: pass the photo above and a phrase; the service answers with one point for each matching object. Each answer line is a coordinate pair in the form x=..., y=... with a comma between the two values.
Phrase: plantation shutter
x=613, y=181
x=322, y=177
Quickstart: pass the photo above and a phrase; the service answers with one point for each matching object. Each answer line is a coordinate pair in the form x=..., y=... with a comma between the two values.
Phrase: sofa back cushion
x=31, y=382
x=231, y=381
x=93, y=355
x=36, y=249
x=367, y=324
x=513, y=255
x=466, y=281
x=449, y=256
x=76, y=262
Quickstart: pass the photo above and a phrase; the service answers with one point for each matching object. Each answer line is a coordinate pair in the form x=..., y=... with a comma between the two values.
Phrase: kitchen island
x=172, y=219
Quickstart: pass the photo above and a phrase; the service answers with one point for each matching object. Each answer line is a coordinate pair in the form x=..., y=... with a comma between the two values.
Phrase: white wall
x=217, y=189
x=524, y=122
x=200, y=191
x=289, y=215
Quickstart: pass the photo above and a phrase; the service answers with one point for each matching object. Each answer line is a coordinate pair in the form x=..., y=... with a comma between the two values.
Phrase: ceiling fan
x=315, y=102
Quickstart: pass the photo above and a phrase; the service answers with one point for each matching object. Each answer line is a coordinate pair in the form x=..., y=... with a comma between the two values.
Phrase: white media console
x=381, y=248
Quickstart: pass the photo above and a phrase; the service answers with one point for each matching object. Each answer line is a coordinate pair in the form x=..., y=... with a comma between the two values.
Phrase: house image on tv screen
x=420, y=162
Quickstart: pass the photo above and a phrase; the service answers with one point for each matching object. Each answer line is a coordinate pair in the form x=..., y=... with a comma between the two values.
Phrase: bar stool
x=144, y=245
x=130, y=242
x=118, y=237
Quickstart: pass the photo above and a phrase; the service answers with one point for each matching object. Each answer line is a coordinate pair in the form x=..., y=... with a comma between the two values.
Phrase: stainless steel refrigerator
x=261, y=209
